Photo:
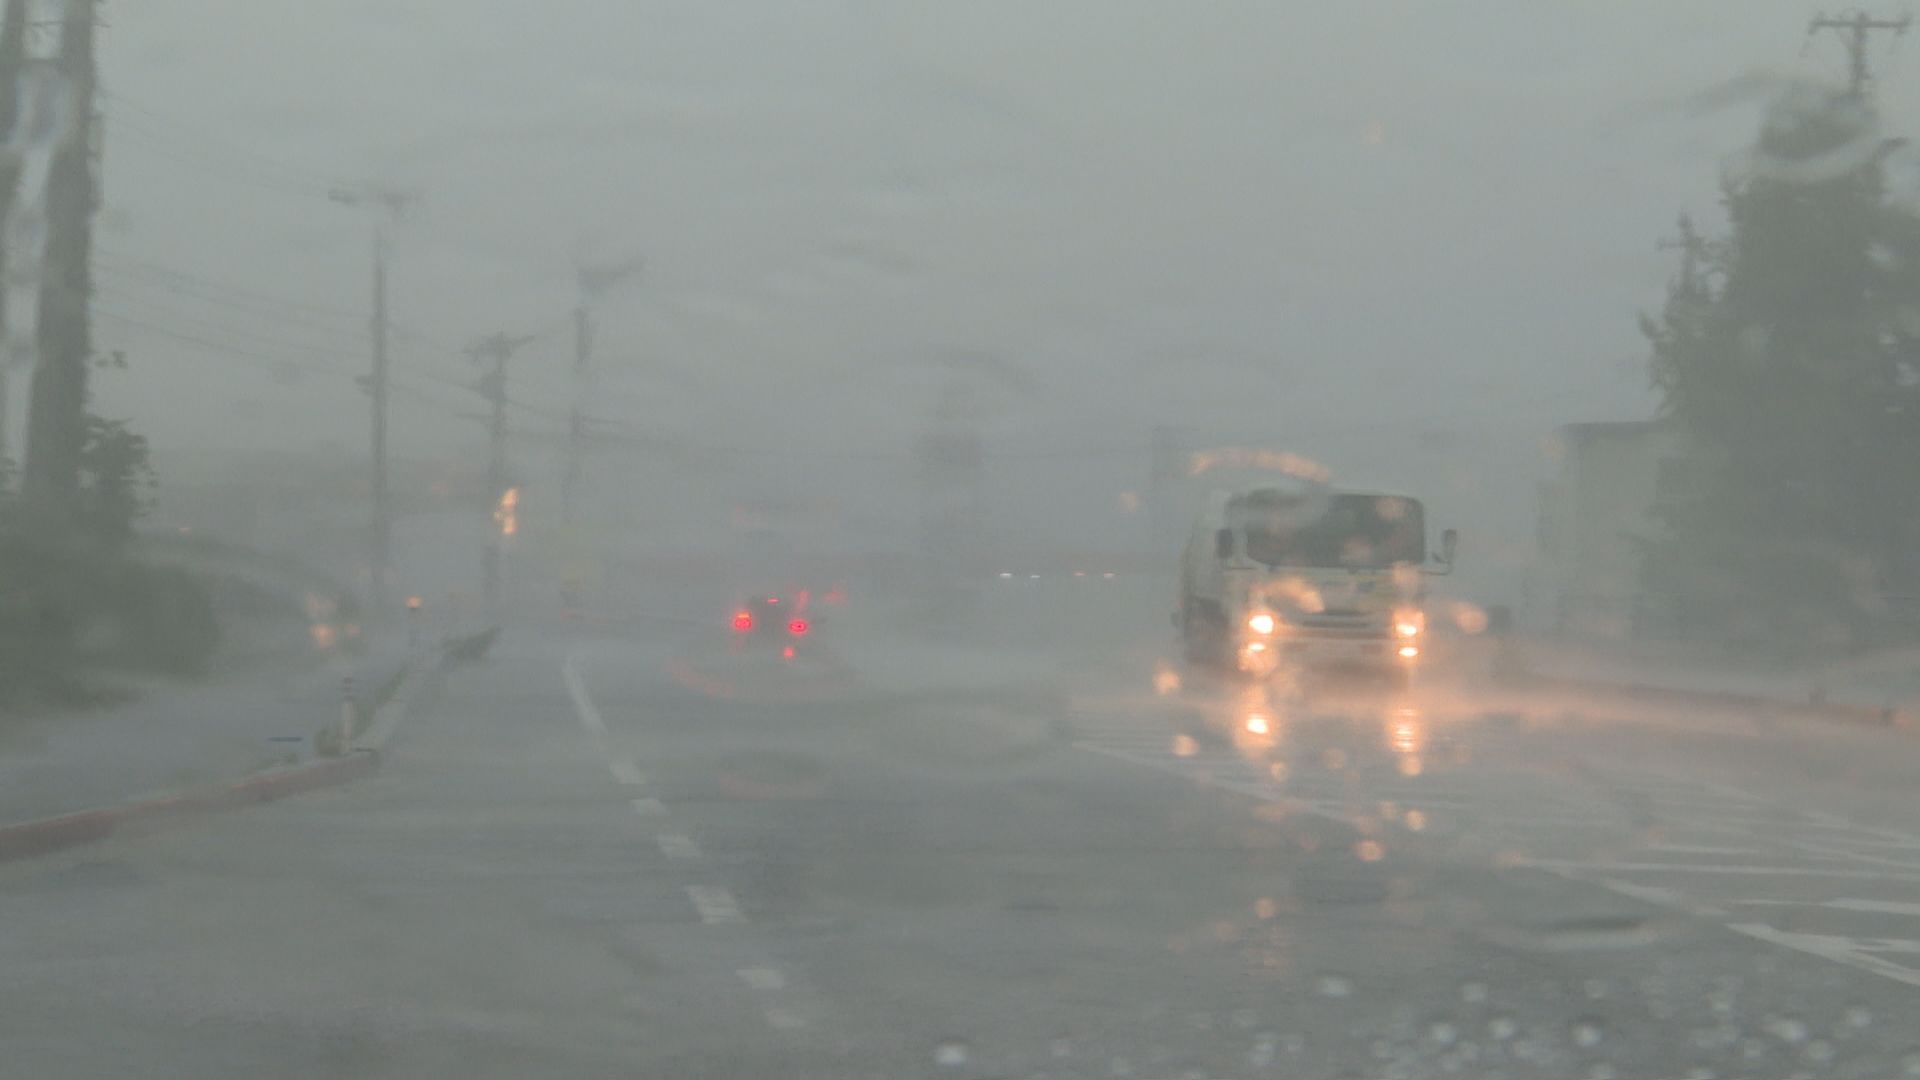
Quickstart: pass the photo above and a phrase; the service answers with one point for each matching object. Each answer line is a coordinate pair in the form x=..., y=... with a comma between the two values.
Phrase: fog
x=833, y=723
x=1346, y=230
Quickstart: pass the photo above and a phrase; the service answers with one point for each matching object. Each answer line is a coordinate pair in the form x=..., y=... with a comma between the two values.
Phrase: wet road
x=637, y=856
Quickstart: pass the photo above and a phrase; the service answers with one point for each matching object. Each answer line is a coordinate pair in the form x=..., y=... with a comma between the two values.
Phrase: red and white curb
x=43, y=836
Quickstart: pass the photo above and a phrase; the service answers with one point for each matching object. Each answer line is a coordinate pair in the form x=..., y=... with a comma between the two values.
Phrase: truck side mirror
x=1223, y=544
x=1449, y=545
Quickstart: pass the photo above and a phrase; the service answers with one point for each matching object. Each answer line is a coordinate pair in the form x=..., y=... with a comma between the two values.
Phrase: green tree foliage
x=115, y=477
x=79, y=597
x=1788, y=357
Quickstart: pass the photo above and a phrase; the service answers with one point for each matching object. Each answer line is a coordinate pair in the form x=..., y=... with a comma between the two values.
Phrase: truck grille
x=1342, y=624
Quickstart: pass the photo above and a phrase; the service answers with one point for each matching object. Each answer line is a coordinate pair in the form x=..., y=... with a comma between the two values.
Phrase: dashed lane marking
x=784, y=1020
x=763, y=978
x=678, y=846
x=583, y=705
x=715, y=904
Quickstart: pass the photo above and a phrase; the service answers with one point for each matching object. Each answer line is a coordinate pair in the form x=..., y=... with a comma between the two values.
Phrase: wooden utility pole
x=13, y=56
x=494, y=351
x=1854, y=27
x=56, y=418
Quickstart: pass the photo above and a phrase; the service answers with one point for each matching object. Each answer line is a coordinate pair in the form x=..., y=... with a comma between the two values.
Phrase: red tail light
x=798, y=627
x=743, y=621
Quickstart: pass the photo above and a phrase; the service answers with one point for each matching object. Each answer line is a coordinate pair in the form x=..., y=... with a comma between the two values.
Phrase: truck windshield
x=1350, y=531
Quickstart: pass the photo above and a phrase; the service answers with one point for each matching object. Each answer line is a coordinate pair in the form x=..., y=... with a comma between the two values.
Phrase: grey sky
x=1243, y=217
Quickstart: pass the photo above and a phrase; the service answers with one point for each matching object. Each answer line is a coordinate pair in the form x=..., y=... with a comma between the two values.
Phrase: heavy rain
x=889, y=538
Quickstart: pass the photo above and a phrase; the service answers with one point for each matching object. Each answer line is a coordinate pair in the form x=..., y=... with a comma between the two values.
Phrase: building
x=1594, y=520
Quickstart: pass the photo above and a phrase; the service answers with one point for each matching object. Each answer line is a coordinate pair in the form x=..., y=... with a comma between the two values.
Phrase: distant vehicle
x=786, y=623
x=1277, y=579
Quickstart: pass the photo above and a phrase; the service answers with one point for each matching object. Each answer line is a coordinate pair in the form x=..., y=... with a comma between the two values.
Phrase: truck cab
x=1279, y=579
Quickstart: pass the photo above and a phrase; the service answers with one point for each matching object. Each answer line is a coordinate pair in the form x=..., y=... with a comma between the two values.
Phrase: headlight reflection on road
x=1256, y=724
x=1406, y=731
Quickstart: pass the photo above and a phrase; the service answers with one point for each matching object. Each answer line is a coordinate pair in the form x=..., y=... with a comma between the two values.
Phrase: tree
x=1788, y=357
x=115, y=475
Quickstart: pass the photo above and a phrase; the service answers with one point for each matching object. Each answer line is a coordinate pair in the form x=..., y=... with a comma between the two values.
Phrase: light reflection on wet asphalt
x=1144, y=877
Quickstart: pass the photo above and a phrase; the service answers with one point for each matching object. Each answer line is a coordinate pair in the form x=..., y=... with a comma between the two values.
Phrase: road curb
x=43, y=836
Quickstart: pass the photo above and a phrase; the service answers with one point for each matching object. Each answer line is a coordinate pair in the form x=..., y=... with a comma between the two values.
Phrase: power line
x=146, y=124
x=228, y=330
x=145, y=267
x=241, y=298
x=261, y=360
x=159, y=147
x=112, y=284
x=216, y=346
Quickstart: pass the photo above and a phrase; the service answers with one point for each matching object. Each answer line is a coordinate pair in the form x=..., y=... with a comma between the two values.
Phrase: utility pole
x=1696, y=252
x=391, y=204
x=1855, y=26
x=56, y=428
x=593, y=282
x=496, y=350
x=13, y=57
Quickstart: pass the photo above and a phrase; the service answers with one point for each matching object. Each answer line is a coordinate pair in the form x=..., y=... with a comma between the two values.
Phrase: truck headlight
x=1262, y=623
x=1408, y=624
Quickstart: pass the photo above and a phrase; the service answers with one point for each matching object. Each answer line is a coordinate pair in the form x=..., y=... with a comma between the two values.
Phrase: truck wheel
x=1206, y=639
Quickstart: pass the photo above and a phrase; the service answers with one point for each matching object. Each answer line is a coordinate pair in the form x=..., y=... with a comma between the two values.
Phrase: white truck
x=1290, y=579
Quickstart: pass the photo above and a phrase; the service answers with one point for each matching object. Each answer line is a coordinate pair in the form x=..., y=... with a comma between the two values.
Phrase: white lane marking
x=1699, y=849
x=715, y=904
x=784, y=1020
x=1575, y=866
x=763, y=978
x=1840, y=950
x=583, y=705
x=1654, y=894
x=678, y=846
x=1873, y=907
x=1830, y=850
x=1883, y=907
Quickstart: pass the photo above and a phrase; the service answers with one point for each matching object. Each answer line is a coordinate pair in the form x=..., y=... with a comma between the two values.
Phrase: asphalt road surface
x=637, y=853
